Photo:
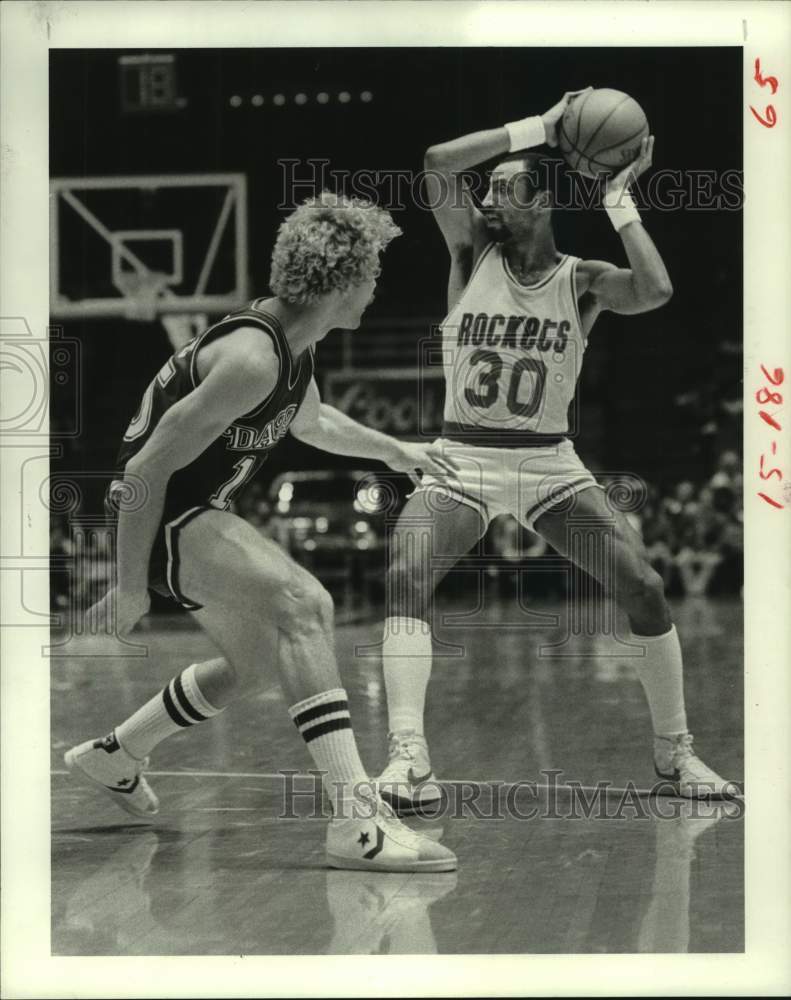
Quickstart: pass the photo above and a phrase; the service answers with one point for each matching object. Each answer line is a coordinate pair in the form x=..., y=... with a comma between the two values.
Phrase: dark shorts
x=163, y=567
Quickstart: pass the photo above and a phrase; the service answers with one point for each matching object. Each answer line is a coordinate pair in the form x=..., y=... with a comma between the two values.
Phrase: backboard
x=147, y=246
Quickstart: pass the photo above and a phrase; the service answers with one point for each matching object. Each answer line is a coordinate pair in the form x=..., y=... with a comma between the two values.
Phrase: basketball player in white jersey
x=206, y=423
x=519, y=316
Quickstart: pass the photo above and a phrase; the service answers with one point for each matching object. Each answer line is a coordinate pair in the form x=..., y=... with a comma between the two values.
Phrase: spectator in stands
x=657, y=535
x=700, y=535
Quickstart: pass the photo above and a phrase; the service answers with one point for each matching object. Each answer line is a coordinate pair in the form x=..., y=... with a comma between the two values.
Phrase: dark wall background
x=640, y=372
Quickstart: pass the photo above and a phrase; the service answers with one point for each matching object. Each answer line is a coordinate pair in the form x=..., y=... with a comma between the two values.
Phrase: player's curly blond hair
x=329, y=243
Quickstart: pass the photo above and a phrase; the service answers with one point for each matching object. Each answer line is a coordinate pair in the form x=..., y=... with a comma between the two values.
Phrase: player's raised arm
x=243, y=374
x=454, y=209
x=460, y=222
x=645, y=284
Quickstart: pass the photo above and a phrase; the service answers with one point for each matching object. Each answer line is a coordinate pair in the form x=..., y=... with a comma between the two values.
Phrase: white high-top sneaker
x=378, y=841
x=105, y=763
x=408, y=783
x=675, y=761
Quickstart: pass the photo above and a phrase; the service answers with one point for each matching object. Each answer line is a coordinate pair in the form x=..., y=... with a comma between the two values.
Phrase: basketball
x=601, y=131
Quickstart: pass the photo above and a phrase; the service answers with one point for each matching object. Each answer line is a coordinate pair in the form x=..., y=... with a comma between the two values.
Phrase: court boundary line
x=276, y=775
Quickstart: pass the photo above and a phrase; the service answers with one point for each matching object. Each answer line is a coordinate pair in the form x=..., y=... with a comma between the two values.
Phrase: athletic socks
x=325, y=725
x=177, y=706
x=662, y=676
x=406, y=656
x=406, y=660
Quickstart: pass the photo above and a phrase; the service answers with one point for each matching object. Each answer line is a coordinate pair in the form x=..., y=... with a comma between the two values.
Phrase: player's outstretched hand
x=638, y=166
x=552, y=117
x=125, y=608
x=417, y=459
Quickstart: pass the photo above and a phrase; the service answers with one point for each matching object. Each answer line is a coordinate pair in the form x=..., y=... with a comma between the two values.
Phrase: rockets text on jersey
x=219, y=473
x=512, y=355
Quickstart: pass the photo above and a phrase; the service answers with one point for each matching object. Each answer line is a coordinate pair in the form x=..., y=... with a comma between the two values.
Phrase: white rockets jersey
x=512, y=355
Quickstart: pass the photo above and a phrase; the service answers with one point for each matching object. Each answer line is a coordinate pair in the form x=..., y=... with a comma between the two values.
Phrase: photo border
x=29, y=30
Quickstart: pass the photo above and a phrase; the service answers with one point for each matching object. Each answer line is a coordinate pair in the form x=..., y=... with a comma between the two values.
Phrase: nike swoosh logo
x=417, y=779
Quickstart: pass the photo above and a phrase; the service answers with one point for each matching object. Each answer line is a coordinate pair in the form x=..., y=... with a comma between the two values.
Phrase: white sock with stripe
x=406, y=664
x=662, y=675
x=177, y=706
x=325, y=725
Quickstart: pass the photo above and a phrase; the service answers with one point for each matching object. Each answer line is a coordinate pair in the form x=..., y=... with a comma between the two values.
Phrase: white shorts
x=523, y=482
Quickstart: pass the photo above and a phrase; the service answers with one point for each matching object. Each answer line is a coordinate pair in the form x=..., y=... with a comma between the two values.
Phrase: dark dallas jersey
x=219, y=473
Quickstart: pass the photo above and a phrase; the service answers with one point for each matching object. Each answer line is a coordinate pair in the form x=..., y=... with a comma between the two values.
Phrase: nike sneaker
x=408, y=782
x=675, y=761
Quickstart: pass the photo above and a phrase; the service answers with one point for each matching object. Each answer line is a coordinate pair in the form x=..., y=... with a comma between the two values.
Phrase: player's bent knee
x=305, y=606
x=326, y=608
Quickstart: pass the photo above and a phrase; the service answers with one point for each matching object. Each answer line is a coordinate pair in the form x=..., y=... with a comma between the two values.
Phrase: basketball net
x=142, y=292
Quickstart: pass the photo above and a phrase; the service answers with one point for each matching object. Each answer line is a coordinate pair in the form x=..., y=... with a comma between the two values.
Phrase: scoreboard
x=149, y=83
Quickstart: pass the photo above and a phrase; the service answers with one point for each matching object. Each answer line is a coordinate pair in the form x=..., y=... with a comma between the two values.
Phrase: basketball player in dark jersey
x=207, y=422
x=519, y=316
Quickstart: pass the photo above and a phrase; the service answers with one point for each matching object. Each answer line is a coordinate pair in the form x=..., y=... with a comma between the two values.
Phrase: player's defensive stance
x=519, y=316
x=206, y=423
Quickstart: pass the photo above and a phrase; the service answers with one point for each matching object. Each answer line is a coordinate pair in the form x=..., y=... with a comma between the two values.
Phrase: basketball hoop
x=142, y=292
x=191, y=228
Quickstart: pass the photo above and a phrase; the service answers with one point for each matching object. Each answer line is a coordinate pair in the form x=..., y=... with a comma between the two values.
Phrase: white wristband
x=526, y=133
x=619, y=207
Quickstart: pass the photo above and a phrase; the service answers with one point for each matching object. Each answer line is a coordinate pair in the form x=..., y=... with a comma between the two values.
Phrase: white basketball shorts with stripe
x=523, y=482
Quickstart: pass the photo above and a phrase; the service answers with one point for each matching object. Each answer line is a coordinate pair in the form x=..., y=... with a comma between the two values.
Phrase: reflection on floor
x=523, y=726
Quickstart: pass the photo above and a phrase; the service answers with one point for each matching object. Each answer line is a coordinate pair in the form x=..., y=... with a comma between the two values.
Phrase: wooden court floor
x=219, y=871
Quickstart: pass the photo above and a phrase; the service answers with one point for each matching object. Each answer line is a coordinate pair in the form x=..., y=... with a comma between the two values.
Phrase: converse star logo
x=125, y=786
x=380, y=840
x=363, y=839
